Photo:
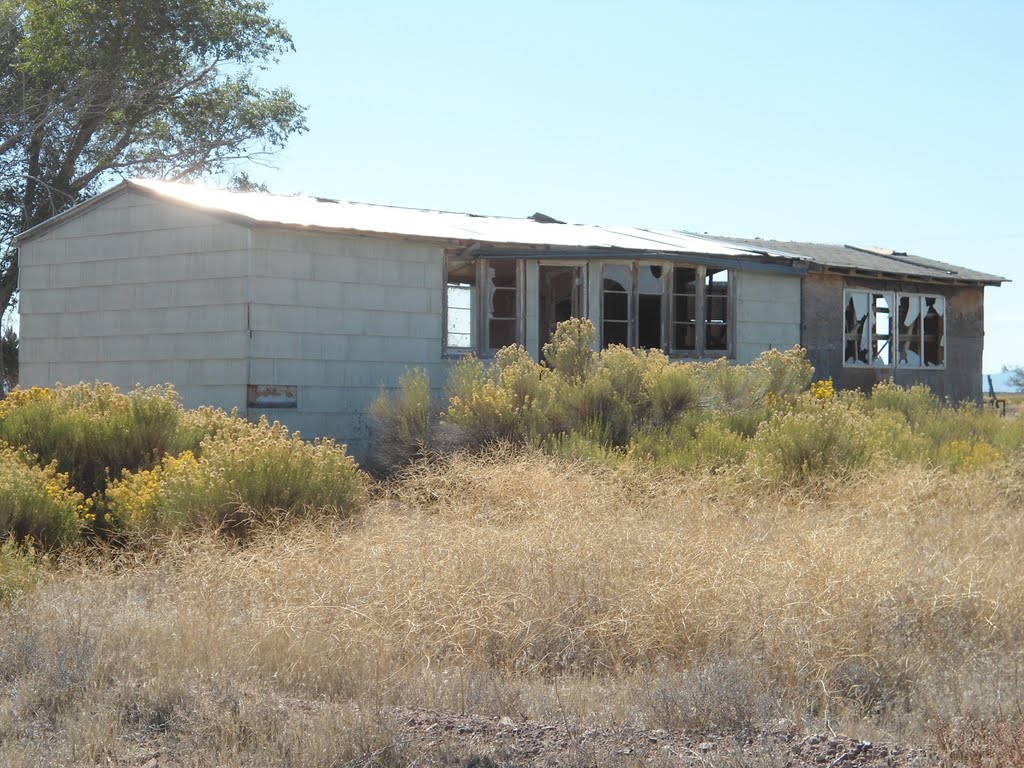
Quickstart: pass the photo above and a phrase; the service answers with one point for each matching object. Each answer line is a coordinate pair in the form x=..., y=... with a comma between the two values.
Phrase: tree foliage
x=1015, y=378
x=8, y=360
x=95, y=89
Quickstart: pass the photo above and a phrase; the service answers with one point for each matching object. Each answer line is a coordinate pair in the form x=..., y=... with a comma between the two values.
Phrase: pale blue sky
x=895, y=124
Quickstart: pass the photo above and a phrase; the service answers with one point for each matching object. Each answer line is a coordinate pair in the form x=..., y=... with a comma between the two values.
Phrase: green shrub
x=782, y=375
x=570, y=353
x=699, y=440
x=965, y=455
x=197, y=424
x=92, y=431
x=19, y=569
x=917, y=403
x=265, y=475
x=591, y=407
x=773, y=377
x=672, y=389
x=36, y=502
x=403, y=420
x=826, y=440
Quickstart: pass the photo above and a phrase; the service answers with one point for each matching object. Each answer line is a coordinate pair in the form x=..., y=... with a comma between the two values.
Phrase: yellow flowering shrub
x=237, y=480
x=823, y=389
x=92, y=431
x=18, y=398
x=965, y=455
x=37, y=503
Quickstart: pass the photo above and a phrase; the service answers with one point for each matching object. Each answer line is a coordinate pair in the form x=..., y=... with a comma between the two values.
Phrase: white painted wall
x=767, y=312
x=342, y=318
x=132, y=291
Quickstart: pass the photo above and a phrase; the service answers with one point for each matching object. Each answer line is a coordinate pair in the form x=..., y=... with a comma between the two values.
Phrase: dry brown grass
x=528, y=586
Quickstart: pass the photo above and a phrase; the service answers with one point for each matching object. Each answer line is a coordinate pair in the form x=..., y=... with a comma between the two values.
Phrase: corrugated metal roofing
x=260, y=208
x=320, y=214
x=873, y=260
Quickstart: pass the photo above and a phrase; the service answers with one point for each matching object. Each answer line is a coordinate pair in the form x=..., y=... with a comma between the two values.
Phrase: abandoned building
x=304, y=308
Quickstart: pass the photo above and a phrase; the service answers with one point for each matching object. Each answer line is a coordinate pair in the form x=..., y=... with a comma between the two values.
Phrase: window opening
x=684, y=304
x=903, y=329
x=650, y=289
x=502, y=304
x=460, y=325
x=560, y=293
x=482, y=304
x=934, y=330
x=882, y=318
x=616, y=309
x=921, y=331
x=716, y=286
x=668, y=307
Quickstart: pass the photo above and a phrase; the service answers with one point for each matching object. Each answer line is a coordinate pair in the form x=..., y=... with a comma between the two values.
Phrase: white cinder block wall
x=134, y=291
x=767, y=309
x=340, y=318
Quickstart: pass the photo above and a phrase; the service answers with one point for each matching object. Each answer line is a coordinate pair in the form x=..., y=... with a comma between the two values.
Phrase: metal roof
x=539, y=231
x=865, y=259
x=320, y=214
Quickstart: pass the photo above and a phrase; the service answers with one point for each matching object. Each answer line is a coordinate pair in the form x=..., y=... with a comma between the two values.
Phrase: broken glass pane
x=910, y=330
x=857, y=328
x=934, y=330
x=882, y=329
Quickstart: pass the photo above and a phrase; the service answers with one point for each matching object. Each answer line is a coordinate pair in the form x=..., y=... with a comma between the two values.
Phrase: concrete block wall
x=767, y=313
x=341, y=318
x=133, y=291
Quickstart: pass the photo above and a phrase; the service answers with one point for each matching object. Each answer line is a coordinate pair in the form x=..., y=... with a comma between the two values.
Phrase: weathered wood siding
x=959, y=380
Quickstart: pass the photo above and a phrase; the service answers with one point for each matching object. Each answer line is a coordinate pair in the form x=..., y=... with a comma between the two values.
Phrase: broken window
x=716, y=323
x=502, y=304
x=922, y=332
x=868, y=328
x=650, y=288
x=559, y=297
x=460, y=306
x=481, y=324
x=663, y=306
x=876, y=323
x=684, y=306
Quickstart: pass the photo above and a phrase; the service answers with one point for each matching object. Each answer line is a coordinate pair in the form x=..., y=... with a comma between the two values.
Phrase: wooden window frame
x=479, y=311
x=700, y=350
x=894, y=336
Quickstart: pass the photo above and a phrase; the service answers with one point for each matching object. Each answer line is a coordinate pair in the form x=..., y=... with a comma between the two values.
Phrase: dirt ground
x=434, y=738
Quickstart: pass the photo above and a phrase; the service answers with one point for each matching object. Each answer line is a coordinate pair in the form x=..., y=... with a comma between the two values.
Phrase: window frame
x=668, y=319
x=894, y=337
x=479, y=309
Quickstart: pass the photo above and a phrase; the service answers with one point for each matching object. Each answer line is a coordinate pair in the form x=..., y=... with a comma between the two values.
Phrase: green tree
x=91, y=90
x=8, y=361
x=1016, y=377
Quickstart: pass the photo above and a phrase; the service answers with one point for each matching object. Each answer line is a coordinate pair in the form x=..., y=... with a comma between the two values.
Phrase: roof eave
x=987, y=280
x=70, y=214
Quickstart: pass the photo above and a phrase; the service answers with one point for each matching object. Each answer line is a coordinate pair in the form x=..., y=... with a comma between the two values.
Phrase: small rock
x=705, y=746
x=506, y=722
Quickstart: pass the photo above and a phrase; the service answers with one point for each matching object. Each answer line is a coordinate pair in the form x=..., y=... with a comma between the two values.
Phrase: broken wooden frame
x=894, y=329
